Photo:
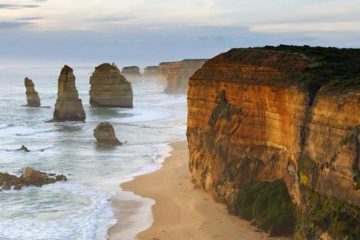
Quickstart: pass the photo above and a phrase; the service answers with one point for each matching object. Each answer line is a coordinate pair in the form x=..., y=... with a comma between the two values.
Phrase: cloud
x=29, y=18
x=113, y=18
x=13, y=25
x=18, y=6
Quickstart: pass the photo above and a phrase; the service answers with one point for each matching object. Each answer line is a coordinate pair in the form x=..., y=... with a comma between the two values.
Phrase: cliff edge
x=273, y=133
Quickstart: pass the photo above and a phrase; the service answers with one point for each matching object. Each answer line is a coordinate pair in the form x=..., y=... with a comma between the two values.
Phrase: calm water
x=79, y=208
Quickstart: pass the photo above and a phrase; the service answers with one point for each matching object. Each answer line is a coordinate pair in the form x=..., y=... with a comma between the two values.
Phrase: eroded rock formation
x=30, y=177
x=177, y=74
x=260, y=118
x=132, y=73
x=32, y=96
x=105, y=134
x=151, y=72
x=68, y=105
x=109, y=88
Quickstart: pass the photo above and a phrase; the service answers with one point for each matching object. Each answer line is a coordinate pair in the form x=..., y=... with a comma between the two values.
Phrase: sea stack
x=177, y=74
x=108, y=88
x=68, y=105
x=105, y=134
x=32, y=96
x=151, y=72
x=132, y=73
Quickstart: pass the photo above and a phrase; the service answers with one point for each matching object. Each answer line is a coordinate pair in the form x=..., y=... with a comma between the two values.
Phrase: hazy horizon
x=139, y=32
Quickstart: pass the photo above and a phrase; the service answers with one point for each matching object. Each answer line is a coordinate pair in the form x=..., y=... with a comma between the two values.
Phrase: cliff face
x=32, y=96
x=68, y=106
x=108, y=88
x=177, y=74
x=132, y=73
x=151, y=72
x=250, y=124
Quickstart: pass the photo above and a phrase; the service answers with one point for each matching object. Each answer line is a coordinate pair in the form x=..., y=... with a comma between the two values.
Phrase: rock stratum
x=29, y=177
x=274, y=133
x=176, y=74
x=68, y=105
x=108, y=88
x=32, y=96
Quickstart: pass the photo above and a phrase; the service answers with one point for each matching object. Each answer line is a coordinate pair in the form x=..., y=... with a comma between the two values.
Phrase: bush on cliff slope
x=270, y=205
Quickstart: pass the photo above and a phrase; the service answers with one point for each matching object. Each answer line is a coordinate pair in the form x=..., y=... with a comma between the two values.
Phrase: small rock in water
x=105, y=134
x=30, y=177
x=23, y=148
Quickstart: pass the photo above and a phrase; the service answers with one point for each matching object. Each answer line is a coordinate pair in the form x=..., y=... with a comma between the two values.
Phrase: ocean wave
x=5, y=126
x=35, y=132
x=91, y=213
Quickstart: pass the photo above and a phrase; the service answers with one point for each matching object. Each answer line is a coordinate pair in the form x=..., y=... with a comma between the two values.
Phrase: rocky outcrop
x=260, y=119
x=68, y=105
x=105, y=134
x=32, y=96
x=151, y=72
x=177, y=74
x=29, y=177
x=108, y=88
x=132, y=73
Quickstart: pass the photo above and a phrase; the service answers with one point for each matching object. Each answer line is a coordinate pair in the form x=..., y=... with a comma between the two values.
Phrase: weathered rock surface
x=32, y=96
x=68, y=105
x=131, y=73
x=151, y=72
x=30, y=177
x=105, y=134
x=251, y=122
x=177, y=74
x=108, y=88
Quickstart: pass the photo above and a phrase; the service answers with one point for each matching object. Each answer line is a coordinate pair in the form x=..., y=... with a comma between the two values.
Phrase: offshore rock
x=177, y=74
x=105, y=134
x=32, y=96
x=109, y=88
x=30, y=177
x=68, y=106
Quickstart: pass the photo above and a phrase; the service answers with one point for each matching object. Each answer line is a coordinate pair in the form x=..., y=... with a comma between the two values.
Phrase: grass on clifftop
x=337, y=70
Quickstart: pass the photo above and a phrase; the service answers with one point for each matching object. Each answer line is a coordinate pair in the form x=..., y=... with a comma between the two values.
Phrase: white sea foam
x=89, y=213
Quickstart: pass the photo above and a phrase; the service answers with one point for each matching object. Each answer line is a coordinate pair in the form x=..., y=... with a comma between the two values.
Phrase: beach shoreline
x=181, y=211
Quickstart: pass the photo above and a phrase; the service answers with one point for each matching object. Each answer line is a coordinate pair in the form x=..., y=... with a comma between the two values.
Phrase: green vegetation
x=337, y=70
x=338, y=218
x=356, y=179
x=308, y=171
x=223, y=110
x=270, y=205
x=352, y=136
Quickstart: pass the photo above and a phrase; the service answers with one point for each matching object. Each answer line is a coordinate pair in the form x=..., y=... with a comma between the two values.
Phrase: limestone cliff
x=132, y=73
x=260, y=118
x=32, y=96
x=151, y=72
x=68, y=105
x=177, y=74
x=108, y=88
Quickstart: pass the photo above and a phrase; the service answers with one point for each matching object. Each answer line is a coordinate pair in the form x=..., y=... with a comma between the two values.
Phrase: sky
x=146, y=32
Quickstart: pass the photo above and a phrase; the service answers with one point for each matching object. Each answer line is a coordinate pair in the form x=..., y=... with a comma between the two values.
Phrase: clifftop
x=333, y=69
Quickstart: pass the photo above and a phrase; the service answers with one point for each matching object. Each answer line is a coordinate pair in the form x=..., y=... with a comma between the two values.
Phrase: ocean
x=81, y=207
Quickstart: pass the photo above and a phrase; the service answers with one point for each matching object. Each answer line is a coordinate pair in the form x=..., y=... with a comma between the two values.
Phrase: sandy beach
x=182, y=211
